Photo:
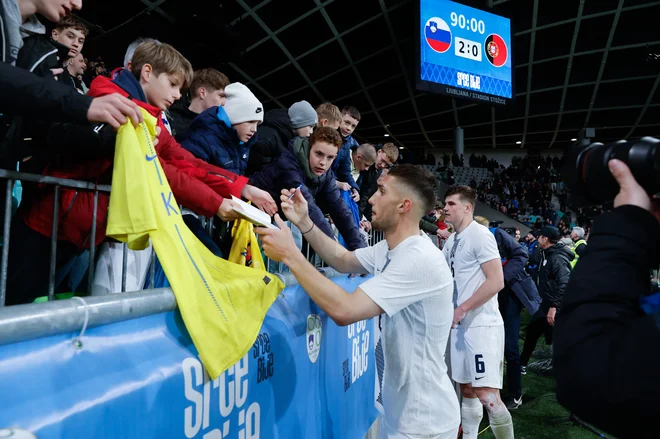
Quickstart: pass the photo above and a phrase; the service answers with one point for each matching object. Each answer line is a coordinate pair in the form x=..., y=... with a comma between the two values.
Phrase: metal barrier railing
x=12, y=176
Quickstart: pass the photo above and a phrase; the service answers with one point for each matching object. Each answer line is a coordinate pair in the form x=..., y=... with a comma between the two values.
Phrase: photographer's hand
x=630, y=191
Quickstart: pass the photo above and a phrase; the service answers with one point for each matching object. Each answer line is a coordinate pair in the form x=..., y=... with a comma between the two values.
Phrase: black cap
x=535, y=233
x=552, y=233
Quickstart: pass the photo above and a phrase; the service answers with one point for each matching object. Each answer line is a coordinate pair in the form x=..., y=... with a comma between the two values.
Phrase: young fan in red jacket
x=158, y=72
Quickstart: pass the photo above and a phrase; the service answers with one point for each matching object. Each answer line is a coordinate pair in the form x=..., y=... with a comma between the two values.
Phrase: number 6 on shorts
x=479, y=365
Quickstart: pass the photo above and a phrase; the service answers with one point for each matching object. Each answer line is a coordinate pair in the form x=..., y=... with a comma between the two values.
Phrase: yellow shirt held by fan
x=223, y=304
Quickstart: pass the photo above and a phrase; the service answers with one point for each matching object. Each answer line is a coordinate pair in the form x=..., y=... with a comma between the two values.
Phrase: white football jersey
x=465, y=252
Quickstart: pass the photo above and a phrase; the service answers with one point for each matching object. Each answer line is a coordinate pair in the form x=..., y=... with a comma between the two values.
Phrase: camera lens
x=592, y=178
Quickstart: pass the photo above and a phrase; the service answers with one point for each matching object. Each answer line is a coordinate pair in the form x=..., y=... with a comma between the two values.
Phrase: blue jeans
x=69, y=277
x=510, y=307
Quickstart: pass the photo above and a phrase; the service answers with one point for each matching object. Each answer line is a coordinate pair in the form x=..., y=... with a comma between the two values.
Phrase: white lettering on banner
x=467, y=80
x=192, y=367
x=475, y=82
x=232, y=388
x=358, y=333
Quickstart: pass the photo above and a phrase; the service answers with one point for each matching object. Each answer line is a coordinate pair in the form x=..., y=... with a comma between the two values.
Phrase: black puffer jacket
x=273, y=135
x=180, y=118
x=554, y=273
x=40, y=54
x=368, y=183
x=26, y=94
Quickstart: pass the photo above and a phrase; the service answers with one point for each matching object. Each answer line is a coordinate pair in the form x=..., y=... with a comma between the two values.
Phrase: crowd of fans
x=215, y=140
x=530, y=190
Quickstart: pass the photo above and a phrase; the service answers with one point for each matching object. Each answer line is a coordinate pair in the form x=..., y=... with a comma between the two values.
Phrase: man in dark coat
x=305, y=165
x=607, y=347
x=519, y=291
x=554, y=273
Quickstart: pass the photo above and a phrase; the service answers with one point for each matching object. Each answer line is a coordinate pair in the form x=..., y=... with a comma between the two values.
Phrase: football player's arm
x=342, y=307
x=492, y=285
x=330, y=251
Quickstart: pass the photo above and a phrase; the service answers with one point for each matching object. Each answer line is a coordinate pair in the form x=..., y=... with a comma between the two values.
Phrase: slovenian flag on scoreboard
x=438, y=34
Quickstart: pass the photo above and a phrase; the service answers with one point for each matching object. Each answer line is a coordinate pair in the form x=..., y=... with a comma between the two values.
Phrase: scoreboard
x=465, y=52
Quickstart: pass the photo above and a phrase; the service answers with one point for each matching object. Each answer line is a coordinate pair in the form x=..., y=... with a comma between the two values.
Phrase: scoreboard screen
x=465, y=52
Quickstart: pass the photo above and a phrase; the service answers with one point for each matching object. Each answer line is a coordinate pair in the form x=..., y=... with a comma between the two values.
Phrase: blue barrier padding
x=305, y=377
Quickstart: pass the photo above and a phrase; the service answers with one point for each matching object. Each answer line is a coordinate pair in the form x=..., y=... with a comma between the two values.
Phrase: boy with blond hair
x=158, y=72
x=328, y=115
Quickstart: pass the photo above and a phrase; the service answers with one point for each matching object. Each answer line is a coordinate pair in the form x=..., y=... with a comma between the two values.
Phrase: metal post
x=152, y=267
x=53, y=244
x=124, y=263
x=459, y=145
x=92, y=245
x=5, y=244
x=209, y=226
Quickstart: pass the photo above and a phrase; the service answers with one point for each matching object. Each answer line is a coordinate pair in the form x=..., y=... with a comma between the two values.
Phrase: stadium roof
x=579, y=63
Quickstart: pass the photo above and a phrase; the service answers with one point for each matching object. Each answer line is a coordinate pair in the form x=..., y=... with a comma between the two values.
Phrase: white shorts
x=477, y=356
x=387, y=433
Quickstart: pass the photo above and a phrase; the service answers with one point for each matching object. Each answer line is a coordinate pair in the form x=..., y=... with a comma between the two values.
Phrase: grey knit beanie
x=302, y=114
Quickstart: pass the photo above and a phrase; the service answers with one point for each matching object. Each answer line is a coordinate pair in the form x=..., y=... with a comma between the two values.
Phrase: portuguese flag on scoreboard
x=496, y=50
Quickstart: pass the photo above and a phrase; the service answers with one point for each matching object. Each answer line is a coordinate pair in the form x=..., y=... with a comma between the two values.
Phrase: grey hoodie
x=13, y=30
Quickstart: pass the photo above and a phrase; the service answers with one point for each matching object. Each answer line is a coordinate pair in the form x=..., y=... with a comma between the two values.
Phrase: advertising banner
x=304, y=377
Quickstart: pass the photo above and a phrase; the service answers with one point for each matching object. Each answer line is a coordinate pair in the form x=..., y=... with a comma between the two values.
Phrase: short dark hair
x=71, y=21
x=351, y=111
x=325, y=134
x=419, y=180
x=208, y=78
x=466, y=194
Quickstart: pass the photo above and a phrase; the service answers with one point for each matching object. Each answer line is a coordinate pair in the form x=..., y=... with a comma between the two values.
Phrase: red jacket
x=197, y=185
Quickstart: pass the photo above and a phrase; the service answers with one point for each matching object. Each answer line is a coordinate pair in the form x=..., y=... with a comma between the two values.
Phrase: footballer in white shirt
x=477, y=336
x=410, y=291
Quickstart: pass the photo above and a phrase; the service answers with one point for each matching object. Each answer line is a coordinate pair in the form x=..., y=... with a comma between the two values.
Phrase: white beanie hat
x=242, y=105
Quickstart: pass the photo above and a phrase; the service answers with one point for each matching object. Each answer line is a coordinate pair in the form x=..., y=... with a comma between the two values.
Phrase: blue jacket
x=342, y=164
x=286, y=172
x=515, y=277
x=212, y=138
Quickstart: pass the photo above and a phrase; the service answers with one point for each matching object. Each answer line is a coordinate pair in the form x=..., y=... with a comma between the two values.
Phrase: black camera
x=588, y=177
